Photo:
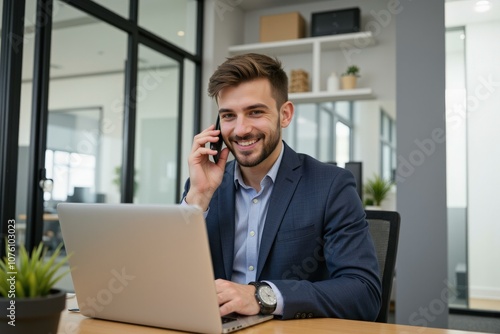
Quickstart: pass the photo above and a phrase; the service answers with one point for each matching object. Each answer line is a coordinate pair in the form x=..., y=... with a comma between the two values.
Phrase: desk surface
x=77, y=323
x=46, y=216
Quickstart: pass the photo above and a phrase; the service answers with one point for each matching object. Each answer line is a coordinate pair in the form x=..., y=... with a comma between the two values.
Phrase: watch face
x=267, y=295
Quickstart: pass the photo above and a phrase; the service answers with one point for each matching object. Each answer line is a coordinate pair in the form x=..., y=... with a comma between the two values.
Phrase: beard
x=270, y=145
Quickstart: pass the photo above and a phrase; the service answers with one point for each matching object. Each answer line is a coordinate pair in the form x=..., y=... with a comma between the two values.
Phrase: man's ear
x=287, y=110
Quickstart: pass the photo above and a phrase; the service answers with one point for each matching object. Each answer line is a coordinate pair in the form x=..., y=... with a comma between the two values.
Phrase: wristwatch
x=265, y=297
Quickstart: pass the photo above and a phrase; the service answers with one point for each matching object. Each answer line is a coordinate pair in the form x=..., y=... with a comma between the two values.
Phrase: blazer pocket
x=301, y=232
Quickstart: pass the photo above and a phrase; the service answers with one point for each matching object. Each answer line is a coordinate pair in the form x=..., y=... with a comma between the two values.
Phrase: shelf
x=357, y=40
x=302, y=45
x=340, y=95
x=316, y=46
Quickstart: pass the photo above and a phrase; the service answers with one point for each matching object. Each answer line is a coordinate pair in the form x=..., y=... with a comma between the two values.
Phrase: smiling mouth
x=245, y=143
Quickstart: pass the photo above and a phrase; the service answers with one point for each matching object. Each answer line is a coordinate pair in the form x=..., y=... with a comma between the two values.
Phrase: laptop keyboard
x=227, y=319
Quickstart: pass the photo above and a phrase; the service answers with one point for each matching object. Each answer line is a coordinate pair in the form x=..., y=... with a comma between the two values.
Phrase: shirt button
x=252, y=233
x=251, y=268
x=255, y=201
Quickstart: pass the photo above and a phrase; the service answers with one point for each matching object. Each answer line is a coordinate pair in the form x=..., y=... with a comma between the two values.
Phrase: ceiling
x=458, y=14
x=461, y=12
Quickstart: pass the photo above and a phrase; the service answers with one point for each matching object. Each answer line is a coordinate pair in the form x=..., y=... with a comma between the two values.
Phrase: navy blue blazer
x=316, y=246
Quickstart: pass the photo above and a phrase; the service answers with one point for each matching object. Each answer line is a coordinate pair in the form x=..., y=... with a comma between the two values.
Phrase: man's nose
x=243, y=126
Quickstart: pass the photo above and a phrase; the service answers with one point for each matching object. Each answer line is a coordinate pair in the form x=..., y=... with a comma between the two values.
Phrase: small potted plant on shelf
x=28, y=301
x=349, y=78
x=376, y=190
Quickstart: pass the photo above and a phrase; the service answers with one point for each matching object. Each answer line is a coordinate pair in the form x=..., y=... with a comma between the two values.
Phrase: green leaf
x=352, y=70
x=33, y=292
x=377, y=189
x=3, y=291
x=36, y=274
x=20, y=292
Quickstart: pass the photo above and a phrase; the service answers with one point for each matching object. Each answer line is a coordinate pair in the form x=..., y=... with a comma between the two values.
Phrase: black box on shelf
x=335, y=22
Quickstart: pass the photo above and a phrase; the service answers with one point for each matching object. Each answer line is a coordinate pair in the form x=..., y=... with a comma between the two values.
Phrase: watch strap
x=264, y=308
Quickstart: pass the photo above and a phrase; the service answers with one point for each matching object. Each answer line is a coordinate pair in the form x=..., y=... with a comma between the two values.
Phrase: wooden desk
x=72, y=323
x=50, y=218
x=46, y=217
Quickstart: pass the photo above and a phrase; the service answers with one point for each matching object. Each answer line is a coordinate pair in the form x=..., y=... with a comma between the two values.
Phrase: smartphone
x=218, y=145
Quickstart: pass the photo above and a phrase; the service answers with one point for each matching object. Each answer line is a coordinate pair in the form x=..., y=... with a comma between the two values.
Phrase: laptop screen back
x=142, y=264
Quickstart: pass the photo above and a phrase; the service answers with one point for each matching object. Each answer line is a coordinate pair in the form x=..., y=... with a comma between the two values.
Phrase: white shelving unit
x=340, y=95
x=315, y=46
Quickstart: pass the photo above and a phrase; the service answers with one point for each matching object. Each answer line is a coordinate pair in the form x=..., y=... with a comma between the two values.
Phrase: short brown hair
x=250, y=66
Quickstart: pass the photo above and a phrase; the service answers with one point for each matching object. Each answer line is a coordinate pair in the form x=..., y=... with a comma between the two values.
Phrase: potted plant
x=28, y=301
x=369, y=204
x=349, y=78
x=117, y=179
x=376, y=190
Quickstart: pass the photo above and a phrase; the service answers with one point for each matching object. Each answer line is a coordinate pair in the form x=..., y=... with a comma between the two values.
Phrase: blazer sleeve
x=350, y=287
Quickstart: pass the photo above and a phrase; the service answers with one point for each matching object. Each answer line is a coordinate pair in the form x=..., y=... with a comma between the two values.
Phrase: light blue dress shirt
x=251, y=211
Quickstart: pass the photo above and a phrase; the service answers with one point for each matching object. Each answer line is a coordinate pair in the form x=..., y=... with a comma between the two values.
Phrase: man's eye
x=256, y=112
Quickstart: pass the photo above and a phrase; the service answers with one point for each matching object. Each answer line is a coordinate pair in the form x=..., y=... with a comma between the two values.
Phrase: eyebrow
x=250, y=107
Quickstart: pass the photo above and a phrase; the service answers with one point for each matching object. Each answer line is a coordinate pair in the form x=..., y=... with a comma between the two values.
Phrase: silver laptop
x=144, y=264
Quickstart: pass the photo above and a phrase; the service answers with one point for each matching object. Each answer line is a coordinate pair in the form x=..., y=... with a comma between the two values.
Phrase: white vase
x=332, y=83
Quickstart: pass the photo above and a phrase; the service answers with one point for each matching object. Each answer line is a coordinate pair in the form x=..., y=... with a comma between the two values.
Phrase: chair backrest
x=384, y=228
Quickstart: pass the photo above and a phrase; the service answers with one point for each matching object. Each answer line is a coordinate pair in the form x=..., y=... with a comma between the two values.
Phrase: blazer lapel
x=287, y=180
x=226, y=209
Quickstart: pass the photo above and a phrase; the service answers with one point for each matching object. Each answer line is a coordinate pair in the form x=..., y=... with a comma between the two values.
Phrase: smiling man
x=288, y=234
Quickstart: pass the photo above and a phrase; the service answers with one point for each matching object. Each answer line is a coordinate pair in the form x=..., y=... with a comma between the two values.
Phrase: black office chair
x=384, y=228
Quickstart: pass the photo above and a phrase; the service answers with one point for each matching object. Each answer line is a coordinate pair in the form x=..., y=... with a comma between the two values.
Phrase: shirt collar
x=238, y=178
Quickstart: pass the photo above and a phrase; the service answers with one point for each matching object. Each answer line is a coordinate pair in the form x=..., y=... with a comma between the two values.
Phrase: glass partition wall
x=85, y=123
x=472, y=118
x=157, y=130
x=456, y=151
x=102, y=98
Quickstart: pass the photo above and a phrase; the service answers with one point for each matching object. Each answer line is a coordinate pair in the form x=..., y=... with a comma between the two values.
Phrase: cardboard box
x=282, y=27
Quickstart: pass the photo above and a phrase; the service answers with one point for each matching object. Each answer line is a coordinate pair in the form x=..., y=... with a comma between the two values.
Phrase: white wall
x=222, y=28
x=367, y=144
x=367, y=134
x=483, y=92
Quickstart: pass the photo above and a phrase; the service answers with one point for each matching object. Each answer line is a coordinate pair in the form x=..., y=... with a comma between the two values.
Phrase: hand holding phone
x=218, y=145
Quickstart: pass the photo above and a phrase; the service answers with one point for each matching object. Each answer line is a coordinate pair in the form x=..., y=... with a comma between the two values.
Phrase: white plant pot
x=373, y=207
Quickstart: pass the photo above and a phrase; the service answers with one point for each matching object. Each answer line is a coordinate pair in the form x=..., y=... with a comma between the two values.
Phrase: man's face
x=251, y=123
